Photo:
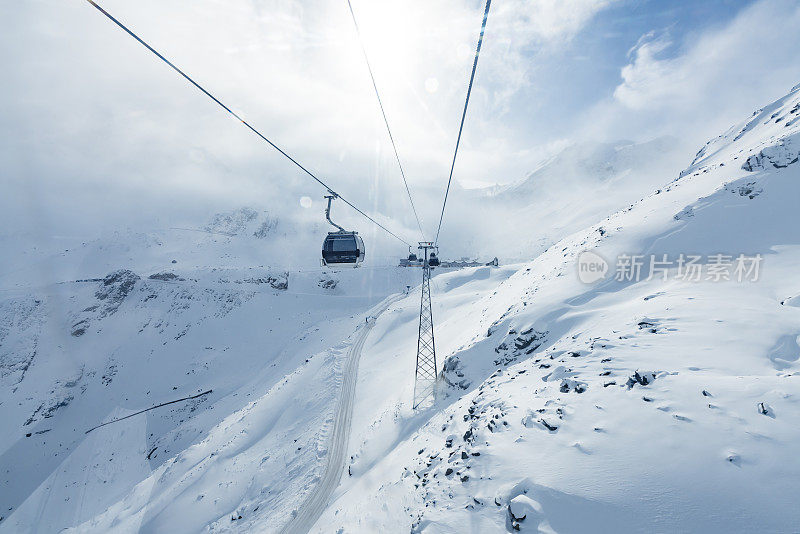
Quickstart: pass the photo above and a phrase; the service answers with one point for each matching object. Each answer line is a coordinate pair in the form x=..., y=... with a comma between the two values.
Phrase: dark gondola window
x=346, y=244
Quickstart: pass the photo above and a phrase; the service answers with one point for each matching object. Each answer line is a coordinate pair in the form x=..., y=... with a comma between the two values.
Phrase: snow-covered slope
x=181, y=312
x=656, y=405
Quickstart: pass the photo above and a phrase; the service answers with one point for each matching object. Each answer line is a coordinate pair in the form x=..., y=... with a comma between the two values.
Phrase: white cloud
x=548, y=20
x=643, y=79
x=716, y=78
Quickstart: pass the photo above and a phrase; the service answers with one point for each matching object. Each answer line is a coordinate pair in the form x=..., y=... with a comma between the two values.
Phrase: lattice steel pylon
x=426, y=376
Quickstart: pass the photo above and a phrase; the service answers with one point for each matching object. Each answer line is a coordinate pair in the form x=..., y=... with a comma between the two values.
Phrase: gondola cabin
x=343, y=248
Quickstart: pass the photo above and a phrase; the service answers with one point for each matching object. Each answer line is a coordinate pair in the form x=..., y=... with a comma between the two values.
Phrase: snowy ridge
x=773, y=125
x=579, y=185
x=593, y=162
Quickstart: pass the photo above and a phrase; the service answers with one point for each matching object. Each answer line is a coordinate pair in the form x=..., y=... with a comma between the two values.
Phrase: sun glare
x=388, y=31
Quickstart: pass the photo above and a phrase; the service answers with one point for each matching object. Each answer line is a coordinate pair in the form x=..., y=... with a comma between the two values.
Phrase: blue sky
x=586, y=69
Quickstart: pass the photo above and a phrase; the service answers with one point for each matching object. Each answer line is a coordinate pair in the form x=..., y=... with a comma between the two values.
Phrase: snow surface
x=687, y=420
x=658, y=405
x=91, y=347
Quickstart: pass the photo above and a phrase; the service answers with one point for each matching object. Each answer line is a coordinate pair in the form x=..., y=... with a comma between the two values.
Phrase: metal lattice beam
x=426, y=376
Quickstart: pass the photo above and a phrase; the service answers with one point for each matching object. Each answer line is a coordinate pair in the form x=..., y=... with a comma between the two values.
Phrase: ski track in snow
x=316, y=503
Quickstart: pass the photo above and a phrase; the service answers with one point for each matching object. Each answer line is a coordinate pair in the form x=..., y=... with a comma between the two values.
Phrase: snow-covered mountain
x=132, y=319
x=582, y=183
x=591, y=165
x=624, y=403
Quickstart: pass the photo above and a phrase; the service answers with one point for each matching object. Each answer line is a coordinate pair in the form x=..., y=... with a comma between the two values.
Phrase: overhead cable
x=226, y=108
x=463, y=116
x=385, y=120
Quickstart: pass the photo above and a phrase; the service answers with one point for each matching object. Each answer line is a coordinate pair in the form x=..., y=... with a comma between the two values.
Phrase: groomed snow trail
x=311, y=509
